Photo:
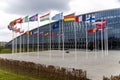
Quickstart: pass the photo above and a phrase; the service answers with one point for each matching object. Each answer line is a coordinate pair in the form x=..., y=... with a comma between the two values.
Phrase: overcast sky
x=13, y=9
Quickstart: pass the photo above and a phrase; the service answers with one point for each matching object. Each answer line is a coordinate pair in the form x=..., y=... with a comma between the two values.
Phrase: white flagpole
x=20, y=39
x=102, y=41
x=50, y=37
x=63, y=55
x=33, y=42
x=95, y=46
x=16, y=41
x=13, y=42
x=23, y=42
x=38, y=40
x=107, y=39
x=59, y=37
x=86, y=41
x=43, y=41
x=75, y=41
x=28, y=39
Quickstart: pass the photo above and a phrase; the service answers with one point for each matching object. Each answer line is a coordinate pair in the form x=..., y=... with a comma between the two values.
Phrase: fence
x=41, y=70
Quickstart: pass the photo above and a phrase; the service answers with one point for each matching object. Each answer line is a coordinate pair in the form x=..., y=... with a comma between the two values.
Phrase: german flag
x=70, y=17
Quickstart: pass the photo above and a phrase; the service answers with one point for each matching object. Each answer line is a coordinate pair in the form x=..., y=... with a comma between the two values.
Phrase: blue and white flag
x=56, y=25
x=41, y=32
x=57, y=16
x=90, y=18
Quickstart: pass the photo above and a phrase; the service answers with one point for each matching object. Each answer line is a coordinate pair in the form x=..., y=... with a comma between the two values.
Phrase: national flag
x=55, y=25
x=93, y=30
x=30, y=33
x=45, y=17
x=34, y=18
x=10, y=27
x=21, y=32
x=41, y=33
x=70, y=17
x=18, y=30
x=90, y=18
x=80, y=18
x=25, y=19
x=59, y=34
x=12, y=23
x=100, y=23
x=15, y=29
x=19, y=20
x=52, y=34
x=57, y=16
x=46, y=34
x=35, y=33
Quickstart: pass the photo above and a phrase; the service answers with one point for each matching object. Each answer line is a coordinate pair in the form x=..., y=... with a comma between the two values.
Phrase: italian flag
x=45, y=17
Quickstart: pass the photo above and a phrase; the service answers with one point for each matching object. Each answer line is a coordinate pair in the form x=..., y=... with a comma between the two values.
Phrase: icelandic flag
x=80, y=18
x=56, y=25
x=57, y=16
x=34, y=18
x=90, y=18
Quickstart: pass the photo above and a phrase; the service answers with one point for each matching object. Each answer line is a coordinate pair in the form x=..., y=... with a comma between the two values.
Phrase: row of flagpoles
x=100, y=26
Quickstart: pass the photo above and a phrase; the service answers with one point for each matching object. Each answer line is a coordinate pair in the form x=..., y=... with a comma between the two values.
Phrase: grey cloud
x=24, y=7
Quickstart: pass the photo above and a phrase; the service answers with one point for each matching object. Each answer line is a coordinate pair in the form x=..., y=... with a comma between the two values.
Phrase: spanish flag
x=70, y=17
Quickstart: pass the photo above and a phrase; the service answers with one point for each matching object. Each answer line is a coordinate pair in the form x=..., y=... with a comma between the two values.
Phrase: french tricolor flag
x=80, y=18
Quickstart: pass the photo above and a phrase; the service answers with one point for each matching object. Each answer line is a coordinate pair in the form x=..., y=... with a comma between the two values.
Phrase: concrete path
x=95, y=63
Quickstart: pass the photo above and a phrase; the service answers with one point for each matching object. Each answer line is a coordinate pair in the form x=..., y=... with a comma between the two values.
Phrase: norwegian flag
x=100, y=23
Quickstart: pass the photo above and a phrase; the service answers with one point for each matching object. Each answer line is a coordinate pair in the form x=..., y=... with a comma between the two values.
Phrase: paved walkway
x=95, y=63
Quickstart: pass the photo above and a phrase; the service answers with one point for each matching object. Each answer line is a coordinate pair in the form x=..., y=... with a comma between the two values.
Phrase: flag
x=57, y=16
x=30, y=33
x=90, y=18
x=12, y=23
x=45, y=17
x=10, y=27
x=41, y=33
x=69, y=17
x=93, y=30
x=21, y=32
x=18, y=30
x=80, y=18
x=34, y=18
x=19, y=20
x=36, y=33
x=52, y=34
x=56, y=25
x=25, y=19
x=15, y=29
x=100, y=23
x=59, y=34
x=46, y=34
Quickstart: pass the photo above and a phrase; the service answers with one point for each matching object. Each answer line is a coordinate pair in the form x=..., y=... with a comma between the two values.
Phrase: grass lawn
x=5, y=51
x=11, y=76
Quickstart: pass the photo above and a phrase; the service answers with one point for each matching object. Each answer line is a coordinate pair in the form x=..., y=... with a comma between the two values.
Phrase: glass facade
x=73, y=34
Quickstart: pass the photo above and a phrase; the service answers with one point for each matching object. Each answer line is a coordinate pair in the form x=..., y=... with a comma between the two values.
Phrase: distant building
x=72, y=33
x=3, y=44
